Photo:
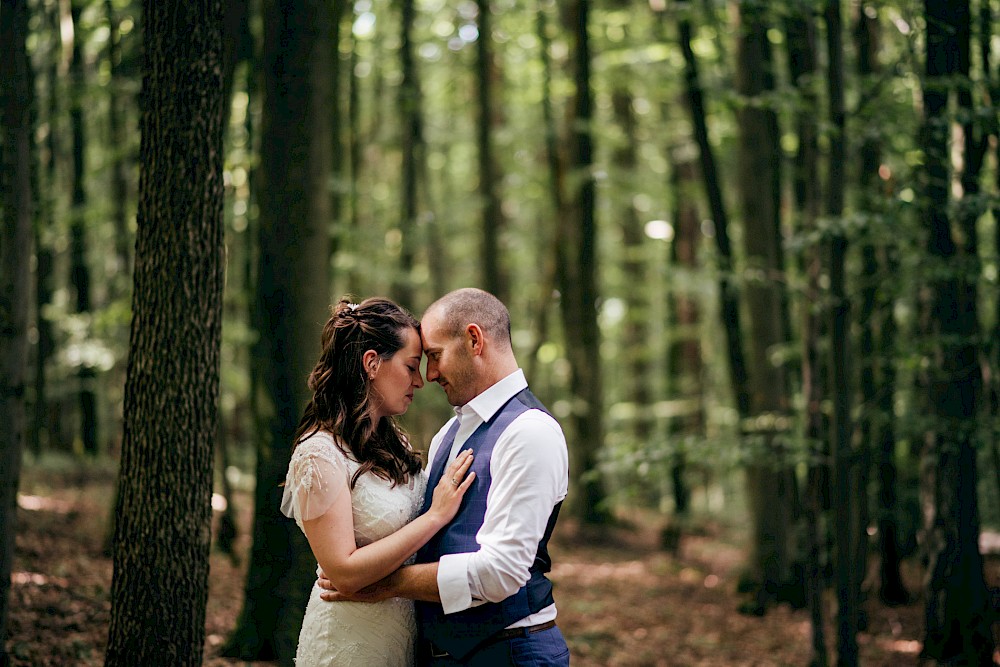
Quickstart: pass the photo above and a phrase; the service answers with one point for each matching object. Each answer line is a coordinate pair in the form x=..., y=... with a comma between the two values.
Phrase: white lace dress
x=351, y=633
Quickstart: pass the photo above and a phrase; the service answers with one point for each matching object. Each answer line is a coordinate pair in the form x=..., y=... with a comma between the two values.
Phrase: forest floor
x=623, y=600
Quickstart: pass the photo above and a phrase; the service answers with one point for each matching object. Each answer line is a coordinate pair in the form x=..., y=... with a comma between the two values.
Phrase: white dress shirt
x=530, y=474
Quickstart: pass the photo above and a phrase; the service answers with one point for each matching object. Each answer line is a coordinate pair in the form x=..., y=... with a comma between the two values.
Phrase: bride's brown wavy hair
x=342, y=398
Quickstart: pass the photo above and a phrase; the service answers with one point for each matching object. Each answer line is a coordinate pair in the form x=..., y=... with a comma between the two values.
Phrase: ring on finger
x=455, y=482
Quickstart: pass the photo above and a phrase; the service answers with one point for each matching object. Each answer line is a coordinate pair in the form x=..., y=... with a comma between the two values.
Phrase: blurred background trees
x=750, y=250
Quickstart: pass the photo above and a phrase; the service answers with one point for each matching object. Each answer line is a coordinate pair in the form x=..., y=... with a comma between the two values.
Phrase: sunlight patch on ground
x=43, y=503
x=36, y=578
x=630, y=571
x=908, y=646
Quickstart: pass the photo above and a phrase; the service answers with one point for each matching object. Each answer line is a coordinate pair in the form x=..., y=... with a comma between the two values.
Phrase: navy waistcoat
x=460, y=633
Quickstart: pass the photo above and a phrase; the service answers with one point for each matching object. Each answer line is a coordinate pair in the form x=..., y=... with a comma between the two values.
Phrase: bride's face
x=396, y=378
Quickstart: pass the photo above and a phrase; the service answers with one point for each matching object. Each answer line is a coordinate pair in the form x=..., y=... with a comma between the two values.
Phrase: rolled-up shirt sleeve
x=530, y=474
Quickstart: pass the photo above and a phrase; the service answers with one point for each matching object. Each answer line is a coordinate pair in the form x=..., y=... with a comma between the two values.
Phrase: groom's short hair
x=469, y=305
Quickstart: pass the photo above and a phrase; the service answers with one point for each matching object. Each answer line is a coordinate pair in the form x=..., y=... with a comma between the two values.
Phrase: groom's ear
x=474, y=338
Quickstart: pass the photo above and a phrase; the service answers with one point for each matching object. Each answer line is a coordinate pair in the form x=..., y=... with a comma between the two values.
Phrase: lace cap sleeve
x=317, y=475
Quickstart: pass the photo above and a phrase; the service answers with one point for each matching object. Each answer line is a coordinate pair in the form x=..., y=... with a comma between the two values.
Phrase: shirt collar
x=486, y=404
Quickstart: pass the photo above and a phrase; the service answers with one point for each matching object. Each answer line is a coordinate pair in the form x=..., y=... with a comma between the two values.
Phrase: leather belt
x=508, y=633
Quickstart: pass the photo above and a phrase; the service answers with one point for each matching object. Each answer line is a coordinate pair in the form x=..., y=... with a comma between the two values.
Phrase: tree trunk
x=116, y=137
x=338, y=152
x=355, y=144
x=494, y=275
x=875, y=320
x=801, y=39
x=16, y=94
x=684, y=359
x=44, y=423
x=958, y=612
x=729, y=307
x=548, y=244
x=409, y=106
x=993, y=349
x=847, y=500
x=636, y=348
x=770, y=480
x=79, y=269
x=160, y=584
x=291, y=302
x=578, y=281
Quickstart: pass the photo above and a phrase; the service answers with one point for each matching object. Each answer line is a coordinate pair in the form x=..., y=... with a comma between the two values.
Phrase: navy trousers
x=536, y=649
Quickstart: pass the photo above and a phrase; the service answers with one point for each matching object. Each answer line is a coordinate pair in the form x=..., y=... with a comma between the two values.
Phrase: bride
x=355, y=487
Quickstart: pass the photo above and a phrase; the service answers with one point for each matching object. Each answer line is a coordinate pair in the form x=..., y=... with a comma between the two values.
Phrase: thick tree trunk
x=79, y=268
x=958, y=612
x=291, y=303
x=578, y=281
x=993, y=349
x=160, y=584
x=770, y=480
x=16, y=94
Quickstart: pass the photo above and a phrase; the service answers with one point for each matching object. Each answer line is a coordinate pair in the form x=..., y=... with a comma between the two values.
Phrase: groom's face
x=449, y=363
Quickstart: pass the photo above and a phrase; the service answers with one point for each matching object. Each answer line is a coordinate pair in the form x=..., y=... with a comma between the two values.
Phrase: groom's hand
x=373, y=593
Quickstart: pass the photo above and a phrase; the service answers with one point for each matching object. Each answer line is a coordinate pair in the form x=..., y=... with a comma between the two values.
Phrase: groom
x=480, y=585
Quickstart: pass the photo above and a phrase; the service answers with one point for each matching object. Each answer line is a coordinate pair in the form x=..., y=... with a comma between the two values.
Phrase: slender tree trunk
x=44, y=424
x=227, y=529
x=355, y=156
x=801, y=31
x=160, y=584
x=846, y=497
x=16, y=98
x=635, y=343
x=579, y=286
x=237, y=47
x=554, y=163
x=409, y=105
x=770, y=480
x=958, y=612
x=494, y=276
x=79, y=268
x=338, y=148
x=729, y=308
x=116, y=135
x=875, y=320
x=291, y=302
x=685, y=357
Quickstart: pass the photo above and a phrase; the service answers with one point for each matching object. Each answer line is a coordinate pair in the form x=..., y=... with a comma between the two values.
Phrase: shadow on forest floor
x=622, y=600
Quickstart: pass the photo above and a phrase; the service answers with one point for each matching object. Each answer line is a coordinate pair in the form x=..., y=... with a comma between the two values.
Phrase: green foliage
x=635, y=50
